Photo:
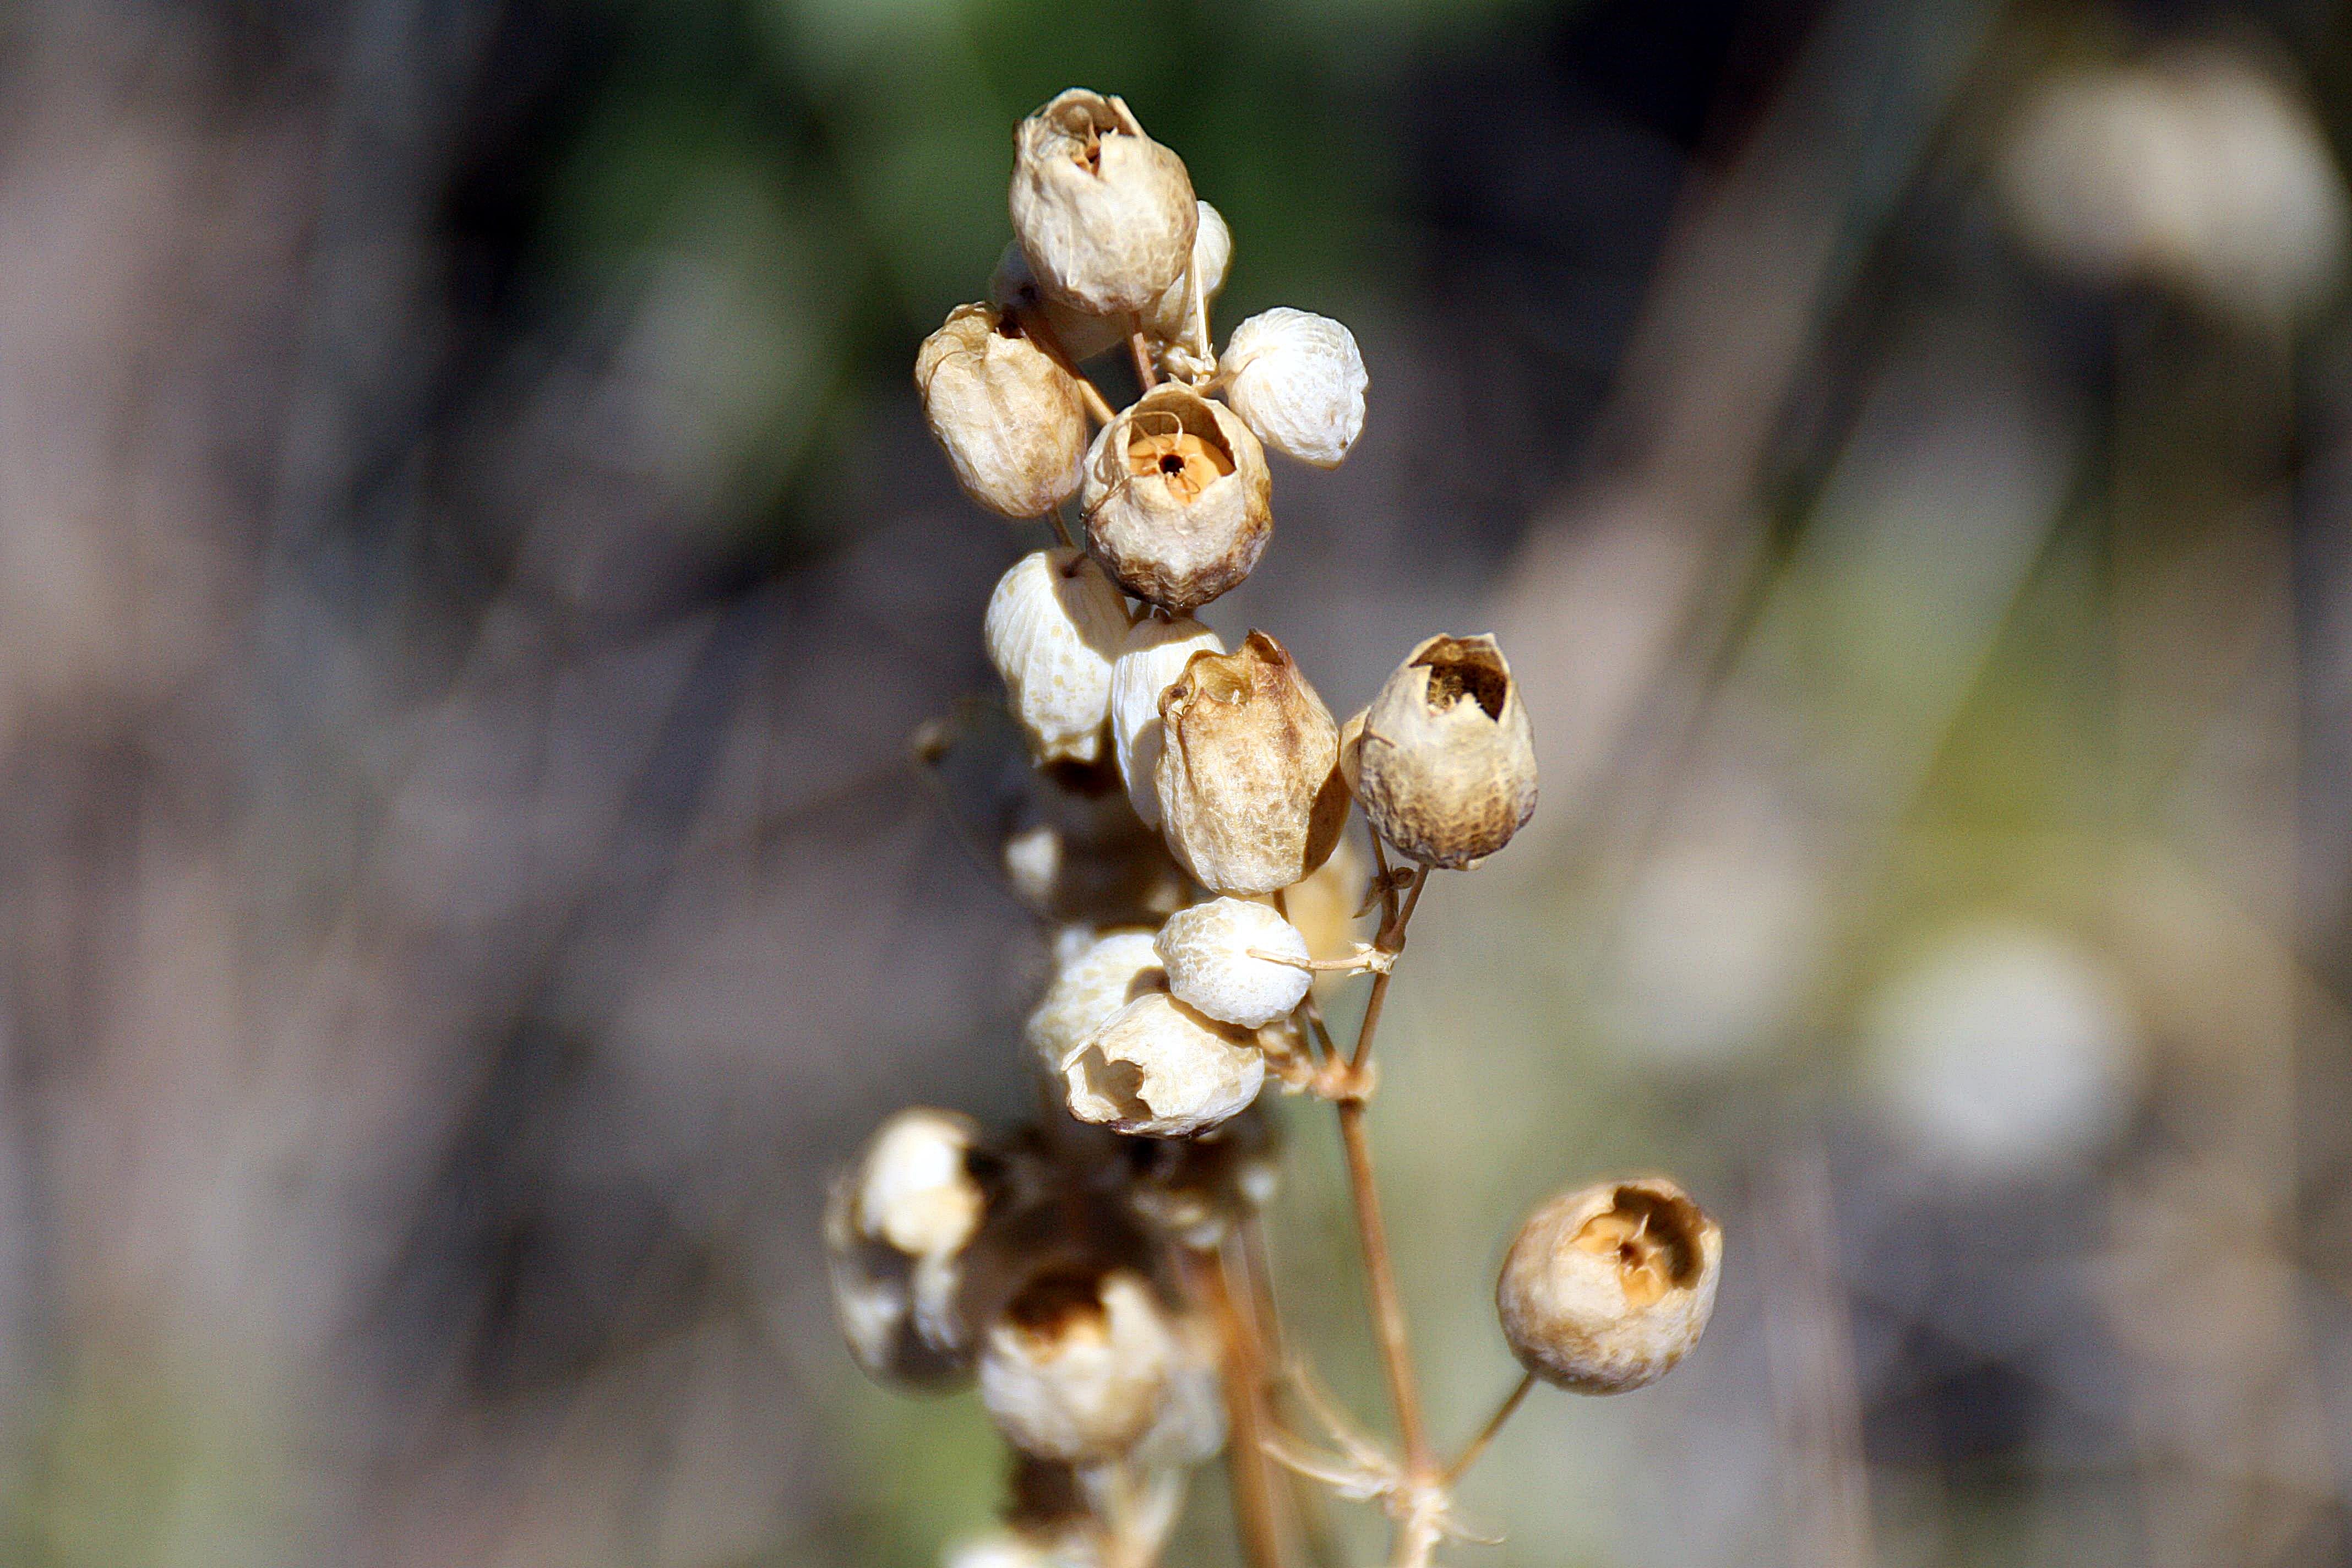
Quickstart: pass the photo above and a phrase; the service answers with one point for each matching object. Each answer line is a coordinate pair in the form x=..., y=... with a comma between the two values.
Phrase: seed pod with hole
x=1607, y=1287
x=1009, y=418
x=1171, y=318
x=1154, y=656
x=1211, y=954
x=1013, y=288
x=1105, y=213
x=1444, y=759
x=1054, y=625
x=1076, y=1365
x=1250, y=795
x=1157, y=1068
x=897, y=1226
x=1097, y=981
x=1299, y=380
x=1179, y=502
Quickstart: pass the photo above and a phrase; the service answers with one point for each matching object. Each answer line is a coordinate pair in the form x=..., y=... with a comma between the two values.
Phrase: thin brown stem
x=1256, y=1513
x=1495, y=1423
x=1099, y=407
x=1147, y=375
x=1390, y=940
x=1061, y=528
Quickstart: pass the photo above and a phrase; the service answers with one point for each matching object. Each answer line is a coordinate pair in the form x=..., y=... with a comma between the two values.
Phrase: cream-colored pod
x=1104, y=976
x=1445, y=759
x=1250, y=797
x=1211, y=951
x=1178, y=499
x=1171, y=319
x=1157, y=650
x=1015, y=291
x=1605, y=1289
x=1052, y=627
x=1105, y=214
x=1299, y=380
x=1159, y=1068
x=1077, y=1366
x=1009, y=419
x=897, y=1225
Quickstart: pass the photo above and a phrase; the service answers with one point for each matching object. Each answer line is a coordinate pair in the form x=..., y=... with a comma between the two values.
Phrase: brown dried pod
x=1077, y=1366
x=1178, y=501
x=1444, y=759
x=1105, y=214
x=1607, y=1287
x=1009, y=419
x=1250, y=795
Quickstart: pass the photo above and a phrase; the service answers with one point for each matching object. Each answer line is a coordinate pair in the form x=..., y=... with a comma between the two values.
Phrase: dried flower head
x=1013, y=288
x=1178, y=499
x=1076, y=1365
x=1172, y=317
x=1054, y=625
x=1157, y=650
x=1105, y=213
x=1444, y=759
x=1249, y=790
x=1211, y=951
x=1096, y=982
x=1159, y=1068
x=1011, y=420
x=1299, y=382
x=1607, y=1287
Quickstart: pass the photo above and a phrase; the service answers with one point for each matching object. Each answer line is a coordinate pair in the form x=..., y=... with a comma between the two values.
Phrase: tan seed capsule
x=1103, y=977
x=1014, y=289
x=1157, y=1068
x=1249, y=791
x=1298, y=379
x=1157, y=650
x=1178, y=499
x=1211, y=954
x=1009, y=419
x=1172, y=318
x=1054, y=625
x=1607, y=1287
x=1444, y=759
x=1105, y=213
x=1077, y=1366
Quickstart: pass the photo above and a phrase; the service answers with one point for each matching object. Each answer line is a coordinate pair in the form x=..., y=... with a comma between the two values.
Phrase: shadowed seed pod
x=1444, y=759
x=1157, y=1068
x=1179, y=502
x=1055, y=624
x=1010, y=420
x=1208, y=951
x=1299, y=380
x=1076, y=1365
x=1157, y=650
x=1101, y=978
x=1171, y=317
x=1250, y=795
x=896, y=1225
x=1013, y=288
x=1105, y=213
x=1607, y=1287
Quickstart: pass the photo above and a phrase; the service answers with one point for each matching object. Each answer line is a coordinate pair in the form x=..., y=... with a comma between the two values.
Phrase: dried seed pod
x=1444, y=759
x=1249, y=789
x=1076, y=1365
x=1208, y=951
x=1105, y=213
x=1151, y=659
x=1179, y=502
x=1169, y=320
x=897, y=1225
x=1607, y=1287
x=1054, y=625
x=1009, y=419
x=1105, y=977
x=1299, y=380
x=1013, y=288
x=1328, y=906
x=1159, y=1068
x=914, y=1189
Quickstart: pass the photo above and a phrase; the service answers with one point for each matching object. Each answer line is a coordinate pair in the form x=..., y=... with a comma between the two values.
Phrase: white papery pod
x=1108, y=974
x=1157, y=1068
x=1171, y=318
x=1178, y=501
x=1207, y=952
x=1054, y=625
x=1014, y=288
x=1077, y=1366
x=1009, y=419
x=1299, y=381
x=1157, y=650
x=914, y=1190
x=1105, y=213
x=1606, y=1288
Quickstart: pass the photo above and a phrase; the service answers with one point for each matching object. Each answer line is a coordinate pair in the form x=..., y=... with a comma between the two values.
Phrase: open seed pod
x=1159, y=1068
x=1178, y=501
x=1607, y=1287
x=1105, y=213
x=1115, y=969
x=1009, y=418
x=1445, y=759
x=1250, y=795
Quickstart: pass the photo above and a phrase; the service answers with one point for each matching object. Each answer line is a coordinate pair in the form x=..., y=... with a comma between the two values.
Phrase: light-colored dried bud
x=1171, y=317
x=1179, y=502
x=1110, y=972
x=1159, y=1068
x=1009, y=419
x=1105, y=213
x=1209, y=952
x=1156, y=651
x=1607, y=1287
x=914, y=1189
x=1444, y=759
x=1054, y=625
x=1013, y=288
x=897, y=1225
x=1299, y=380
x=1250, y=795
x=1077, y=1366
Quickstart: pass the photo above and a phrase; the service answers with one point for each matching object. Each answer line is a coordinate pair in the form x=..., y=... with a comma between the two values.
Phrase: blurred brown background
x=469, y=565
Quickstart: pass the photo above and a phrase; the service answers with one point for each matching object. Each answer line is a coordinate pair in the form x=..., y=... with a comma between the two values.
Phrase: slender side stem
x=1503, y=1413
x=1099, y=407
x=1147, y=375
x=1391, y=940
x=1061, y=528
x=1264, y=1541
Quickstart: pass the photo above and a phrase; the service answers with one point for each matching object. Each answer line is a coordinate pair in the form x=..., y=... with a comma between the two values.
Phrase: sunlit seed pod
x=1607, y=1287
x=1209, y=952
x=1178, y=499
x=1013, y=288
x=1299, y=380
x=1113, y=970
x=1151, y=659
x=1009, y=419
x=1105, y=214
x=1445, y=759
x=915, y=1188
x=1250, y=795
x=1076, y=1365
x=1157, y=1068
x=1054, y=625
x=1171, y=317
